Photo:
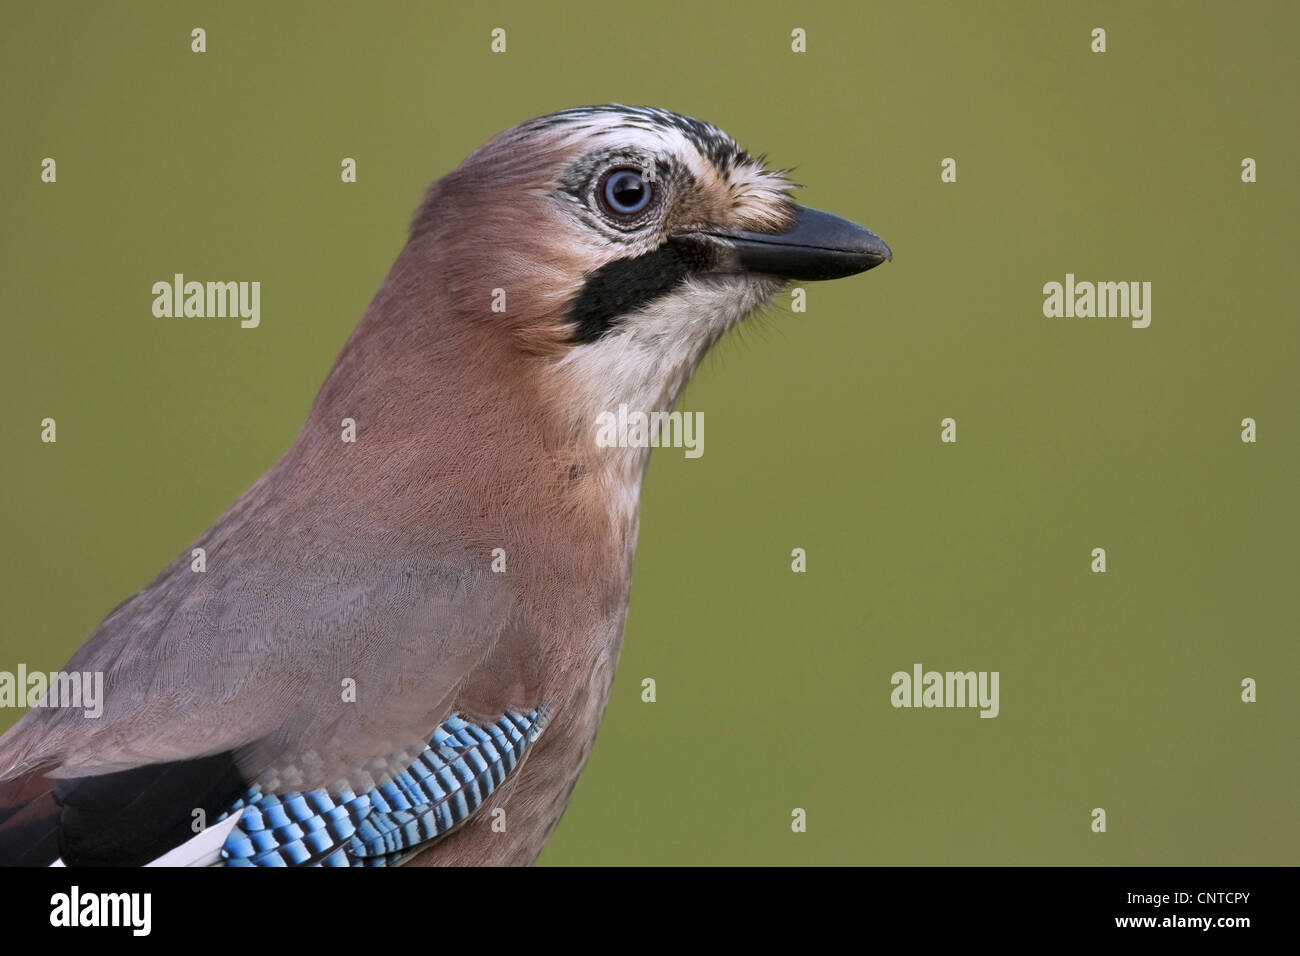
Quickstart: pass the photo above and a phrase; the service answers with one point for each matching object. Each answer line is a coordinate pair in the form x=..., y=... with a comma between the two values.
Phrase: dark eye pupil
x=626, y=192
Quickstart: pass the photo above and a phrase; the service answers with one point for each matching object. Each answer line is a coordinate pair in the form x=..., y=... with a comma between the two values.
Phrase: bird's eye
x=625, y=192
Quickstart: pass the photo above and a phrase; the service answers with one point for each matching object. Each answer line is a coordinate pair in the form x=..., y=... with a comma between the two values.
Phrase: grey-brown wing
x=308, y=671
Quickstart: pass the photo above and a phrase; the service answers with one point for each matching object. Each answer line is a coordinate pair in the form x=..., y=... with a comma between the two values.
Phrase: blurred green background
x=1119, y=691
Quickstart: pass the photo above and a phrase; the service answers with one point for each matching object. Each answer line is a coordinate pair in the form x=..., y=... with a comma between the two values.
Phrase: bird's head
x=618, y=243
x=577, y=263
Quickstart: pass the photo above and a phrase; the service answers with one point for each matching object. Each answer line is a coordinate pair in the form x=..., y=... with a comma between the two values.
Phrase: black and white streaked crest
x=712, y=143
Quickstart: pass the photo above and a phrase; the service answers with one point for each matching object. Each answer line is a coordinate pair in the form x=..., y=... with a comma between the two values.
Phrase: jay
x=401, y=646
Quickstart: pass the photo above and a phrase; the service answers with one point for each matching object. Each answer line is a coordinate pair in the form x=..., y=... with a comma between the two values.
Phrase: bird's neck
x=459, y=433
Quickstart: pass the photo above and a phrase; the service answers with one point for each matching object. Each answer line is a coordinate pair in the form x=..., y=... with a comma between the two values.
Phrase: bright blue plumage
x=463, y=764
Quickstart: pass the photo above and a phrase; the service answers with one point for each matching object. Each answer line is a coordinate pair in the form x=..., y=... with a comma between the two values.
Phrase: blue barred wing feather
x=462, y=766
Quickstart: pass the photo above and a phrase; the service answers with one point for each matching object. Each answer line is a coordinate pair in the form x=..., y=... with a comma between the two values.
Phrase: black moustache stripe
x=626, y=285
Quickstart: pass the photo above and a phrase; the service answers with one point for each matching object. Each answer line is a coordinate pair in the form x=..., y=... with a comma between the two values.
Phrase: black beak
x=817, y=246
